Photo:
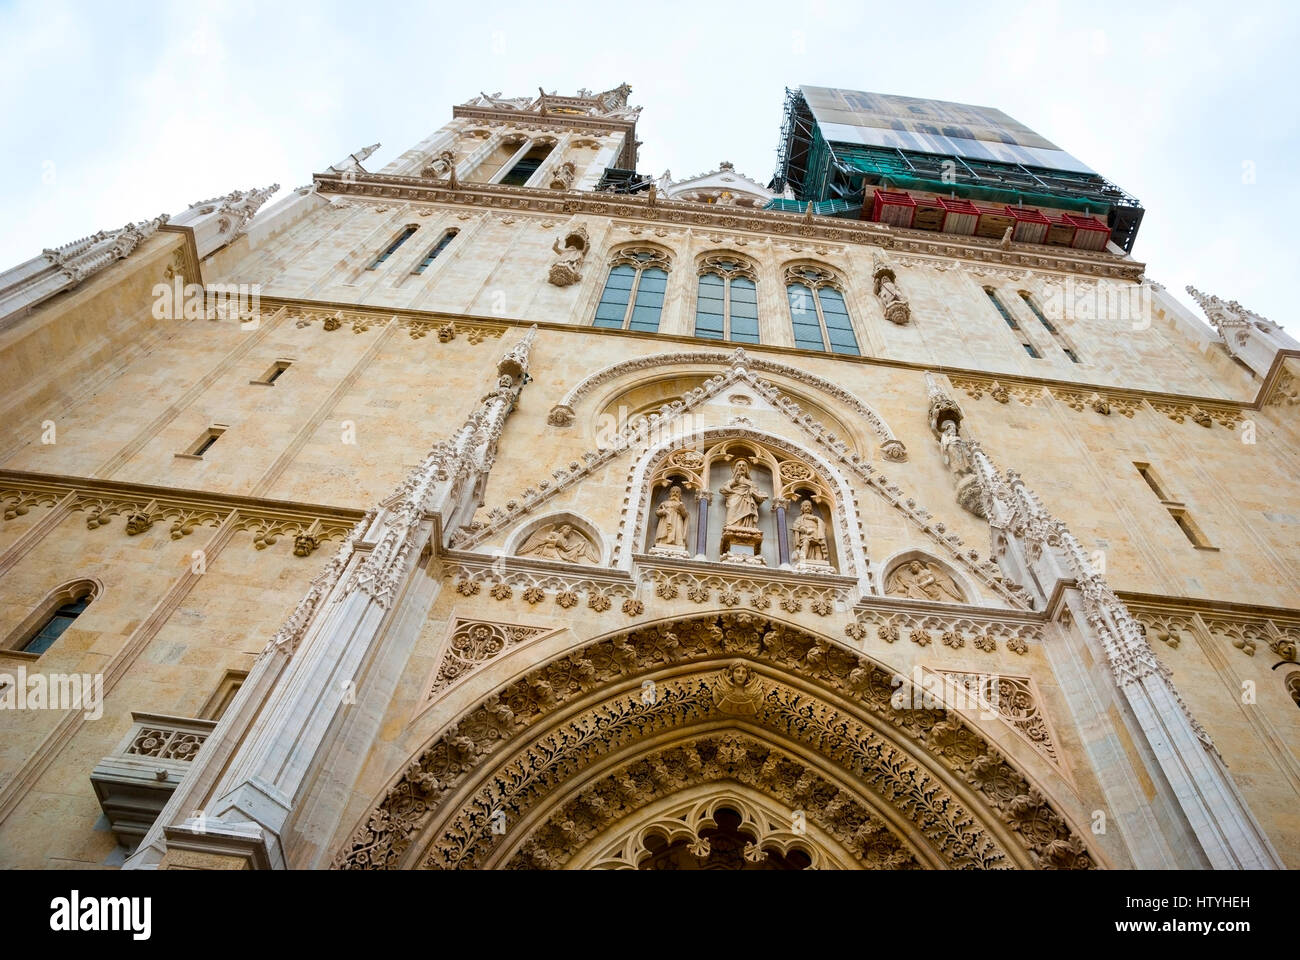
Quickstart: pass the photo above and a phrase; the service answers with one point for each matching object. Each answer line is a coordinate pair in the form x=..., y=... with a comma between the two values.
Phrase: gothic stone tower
x=509, y=508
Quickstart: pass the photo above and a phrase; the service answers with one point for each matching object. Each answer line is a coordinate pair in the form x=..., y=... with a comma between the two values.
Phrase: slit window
x=400, y=239
x=205, y=442
x=1066, y=347
x=273, y=374
x=1177, y=510
x=436, y=249
x=1013, y=323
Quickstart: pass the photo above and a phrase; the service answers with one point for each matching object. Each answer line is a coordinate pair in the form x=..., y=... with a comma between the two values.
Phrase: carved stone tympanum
x=561, y=541
x=919, y=580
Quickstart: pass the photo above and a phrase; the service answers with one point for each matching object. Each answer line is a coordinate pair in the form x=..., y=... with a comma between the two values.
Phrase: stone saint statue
x=955, y=453
x=742, y=498
x=809, y=536
x=921, y=581
x=560, y=542
x=671, y=531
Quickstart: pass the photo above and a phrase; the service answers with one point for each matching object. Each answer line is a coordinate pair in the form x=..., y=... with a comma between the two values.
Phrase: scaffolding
x=846, y=174
x=616, y=180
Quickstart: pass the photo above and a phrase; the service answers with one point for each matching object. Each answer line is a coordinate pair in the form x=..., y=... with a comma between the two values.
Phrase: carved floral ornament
x=590, y=739
x=1101, y=402
x=140, y=513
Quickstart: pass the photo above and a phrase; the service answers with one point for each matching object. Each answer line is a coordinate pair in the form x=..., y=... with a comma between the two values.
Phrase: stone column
x=782, y=531
x=703, y=498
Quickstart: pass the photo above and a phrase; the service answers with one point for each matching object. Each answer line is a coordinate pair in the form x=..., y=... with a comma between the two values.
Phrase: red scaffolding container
x=960, y=217
x=1031, y=224
x=896, y=209
x=993, y=222
x=1090, y=233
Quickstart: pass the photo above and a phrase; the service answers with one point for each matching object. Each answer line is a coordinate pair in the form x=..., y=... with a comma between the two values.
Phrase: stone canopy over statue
x=742, y=499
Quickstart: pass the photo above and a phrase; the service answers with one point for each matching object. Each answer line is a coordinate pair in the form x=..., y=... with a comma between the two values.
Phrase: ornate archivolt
x=553, y=761
x=739, y=362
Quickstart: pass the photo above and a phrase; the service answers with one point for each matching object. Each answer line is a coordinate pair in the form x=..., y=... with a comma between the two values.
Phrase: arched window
x=436, y=249
x=52, y=618
x=727, y=306
x=391, y=249
x=633, y=297
x=818, y=312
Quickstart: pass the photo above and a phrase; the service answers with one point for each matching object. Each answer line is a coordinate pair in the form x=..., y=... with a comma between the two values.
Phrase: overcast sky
x=121, y=111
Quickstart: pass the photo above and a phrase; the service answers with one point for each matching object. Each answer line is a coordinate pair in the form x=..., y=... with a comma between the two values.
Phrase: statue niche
x=920, y=580
x=566, y=269
x=561, y=541
x=810, y=552
x=670, y=531
x=741, y=498
x=739, y=501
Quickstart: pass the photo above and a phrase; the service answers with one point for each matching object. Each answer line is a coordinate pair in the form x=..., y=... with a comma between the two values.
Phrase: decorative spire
x=353, y=161
x=82, y=258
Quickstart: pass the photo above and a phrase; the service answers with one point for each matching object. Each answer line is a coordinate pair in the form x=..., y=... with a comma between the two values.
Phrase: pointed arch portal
x=613, y=753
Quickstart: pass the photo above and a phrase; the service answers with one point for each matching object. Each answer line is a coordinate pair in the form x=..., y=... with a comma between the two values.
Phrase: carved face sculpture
x=805, y=508
x=565, y=531
x=675, y=494
x=739, y=674
x=914, y=567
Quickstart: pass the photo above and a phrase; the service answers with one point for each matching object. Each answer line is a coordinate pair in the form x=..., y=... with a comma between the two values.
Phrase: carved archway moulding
x=738, y=360
x=561, y=754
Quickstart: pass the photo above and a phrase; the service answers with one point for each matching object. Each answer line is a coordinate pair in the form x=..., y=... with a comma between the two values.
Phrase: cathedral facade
x=506, y=508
